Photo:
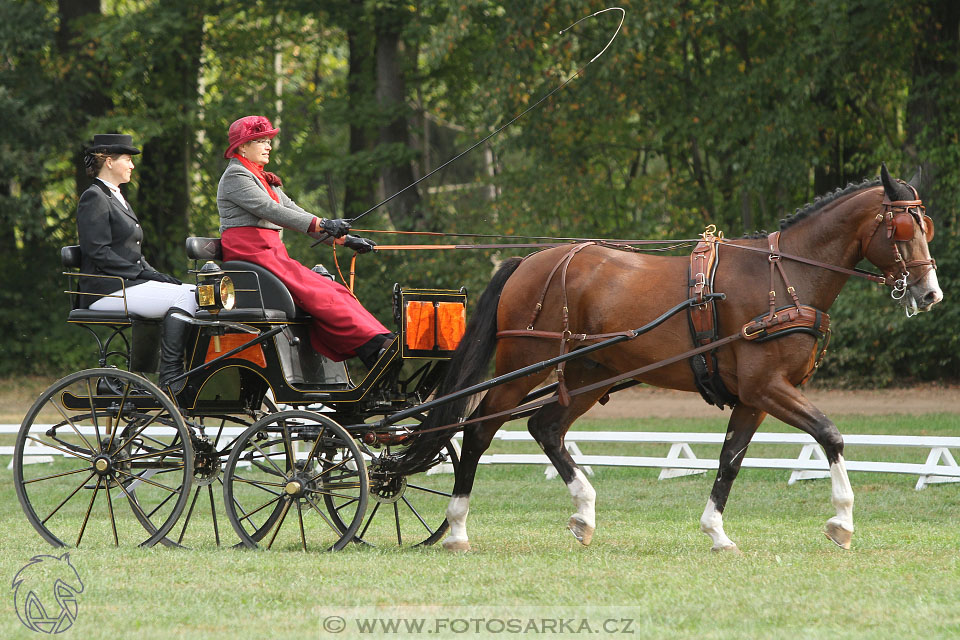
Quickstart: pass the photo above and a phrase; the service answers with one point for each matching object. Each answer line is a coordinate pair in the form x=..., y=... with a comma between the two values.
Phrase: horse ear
x=916, y=179
x=889, y=185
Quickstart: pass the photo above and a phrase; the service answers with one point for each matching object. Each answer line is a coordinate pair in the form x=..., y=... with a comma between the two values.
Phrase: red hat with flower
x=246, y=129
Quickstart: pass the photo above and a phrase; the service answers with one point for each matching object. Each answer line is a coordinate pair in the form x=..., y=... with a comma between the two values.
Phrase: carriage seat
x=70, y=259
x=260, y=294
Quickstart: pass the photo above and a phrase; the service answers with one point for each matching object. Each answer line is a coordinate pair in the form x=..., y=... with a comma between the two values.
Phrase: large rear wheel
x=276, y=478
x=92, y=438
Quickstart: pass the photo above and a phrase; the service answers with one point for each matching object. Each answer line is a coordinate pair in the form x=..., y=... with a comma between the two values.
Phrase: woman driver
x=253, y=210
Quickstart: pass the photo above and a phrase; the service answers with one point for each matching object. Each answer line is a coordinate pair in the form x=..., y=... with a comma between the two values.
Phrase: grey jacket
x=243, y=202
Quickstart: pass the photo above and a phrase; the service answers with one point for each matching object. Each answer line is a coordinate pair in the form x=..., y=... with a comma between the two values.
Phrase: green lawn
x=648, y=563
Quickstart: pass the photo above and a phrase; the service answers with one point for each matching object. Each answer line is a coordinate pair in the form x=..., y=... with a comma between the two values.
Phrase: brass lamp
x=214, y=289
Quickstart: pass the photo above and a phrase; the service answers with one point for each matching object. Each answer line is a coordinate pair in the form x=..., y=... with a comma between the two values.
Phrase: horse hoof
x=582, y=531
x=456, y=545
x=838, y=534
x=727, y=548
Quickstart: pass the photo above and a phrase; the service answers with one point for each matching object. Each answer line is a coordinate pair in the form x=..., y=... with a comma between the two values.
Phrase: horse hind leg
x=743, y=424
x=476, y=440
x=548, y=427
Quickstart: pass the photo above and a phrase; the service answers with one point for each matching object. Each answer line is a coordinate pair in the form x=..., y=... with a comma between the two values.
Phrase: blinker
x=900, y=227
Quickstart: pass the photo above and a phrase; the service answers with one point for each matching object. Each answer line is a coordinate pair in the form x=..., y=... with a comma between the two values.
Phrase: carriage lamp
x=214, y=289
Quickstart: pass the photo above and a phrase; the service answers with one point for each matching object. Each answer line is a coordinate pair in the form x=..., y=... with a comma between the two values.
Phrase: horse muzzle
x=922, y=295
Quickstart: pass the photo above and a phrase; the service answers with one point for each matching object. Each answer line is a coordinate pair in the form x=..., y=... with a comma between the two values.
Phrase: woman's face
x=257, y=151
x=119, y=168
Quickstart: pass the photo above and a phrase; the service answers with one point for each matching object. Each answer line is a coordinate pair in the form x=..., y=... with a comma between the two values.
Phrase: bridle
x=901, y=218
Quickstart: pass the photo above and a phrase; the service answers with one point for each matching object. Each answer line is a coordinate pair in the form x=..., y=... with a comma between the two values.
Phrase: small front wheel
x=279, y=473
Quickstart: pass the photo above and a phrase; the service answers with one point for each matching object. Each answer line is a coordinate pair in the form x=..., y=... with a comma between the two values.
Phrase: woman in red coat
x=253, y=209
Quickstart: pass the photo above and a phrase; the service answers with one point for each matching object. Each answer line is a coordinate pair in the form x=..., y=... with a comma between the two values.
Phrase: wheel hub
x=386, y=487
x=103, y=465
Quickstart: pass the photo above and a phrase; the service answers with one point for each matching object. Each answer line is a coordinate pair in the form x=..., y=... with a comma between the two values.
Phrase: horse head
x=898, y=244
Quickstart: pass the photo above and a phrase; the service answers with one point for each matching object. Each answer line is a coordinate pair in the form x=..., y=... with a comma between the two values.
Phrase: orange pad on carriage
x=419, y=321
x=233, y=340
x=451, y=323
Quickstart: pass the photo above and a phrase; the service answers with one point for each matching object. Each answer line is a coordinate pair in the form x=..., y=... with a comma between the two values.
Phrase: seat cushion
x=245, y=314
x=87, y=315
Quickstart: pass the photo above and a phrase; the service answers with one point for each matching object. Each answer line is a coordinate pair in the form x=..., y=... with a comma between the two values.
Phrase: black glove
x=358, y=244
x=336, y=227
x=156, y=276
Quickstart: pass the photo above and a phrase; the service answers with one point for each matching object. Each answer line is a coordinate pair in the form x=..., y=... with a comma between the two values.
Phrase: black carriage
x=308, y=476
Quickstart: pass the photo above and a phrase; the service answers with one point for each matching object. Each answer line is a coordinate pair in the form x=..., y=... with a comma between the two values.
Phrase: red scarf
x=265, y=177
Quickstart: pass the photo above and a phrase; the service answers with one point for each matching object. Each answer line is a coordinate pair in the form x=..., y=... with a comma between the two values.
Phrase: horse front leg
x=785, y=402
x=743, y=424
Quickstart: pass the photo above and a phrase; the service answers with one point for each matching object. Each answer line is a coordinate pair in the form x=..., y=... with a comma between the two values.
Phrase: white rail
x=680, y=460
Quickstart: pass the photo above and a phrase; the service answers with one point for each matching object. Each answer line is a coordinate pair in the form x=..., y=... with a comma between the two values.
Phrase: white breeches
x=151, y=299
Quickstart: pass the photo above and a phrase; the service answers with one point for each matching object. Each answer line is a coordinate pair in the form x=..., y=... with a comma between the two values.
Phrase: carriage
x=308, y=476
x=352, y=461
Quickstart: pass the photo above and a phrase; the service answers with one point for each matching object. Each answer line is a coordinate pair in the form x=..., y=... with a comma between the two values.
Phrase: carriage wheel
x=405, y=508
x=278, y=474
x=203, y=523
x=109, y=435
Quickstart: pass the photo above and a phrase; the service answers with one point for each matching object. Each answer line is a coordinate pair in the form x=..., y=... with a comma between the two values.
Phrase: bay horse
x=607, y=290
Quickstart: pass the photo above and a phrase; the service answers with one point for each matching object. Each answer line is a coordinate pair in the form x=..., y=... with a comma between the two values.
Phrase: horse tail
x=467, y=367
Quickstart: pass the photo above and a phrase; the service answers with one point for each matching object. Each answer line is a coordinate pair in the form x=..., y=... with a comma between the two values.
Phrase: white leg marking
x=711, y=523
x=840, y=527
x=457, y=510
x=584, y=521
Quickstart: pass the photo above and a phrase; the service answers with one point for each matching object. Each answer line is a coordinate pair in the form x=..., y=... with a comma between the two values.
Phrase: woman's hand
x=358, y=244
x=336, y=227
x=156, y=276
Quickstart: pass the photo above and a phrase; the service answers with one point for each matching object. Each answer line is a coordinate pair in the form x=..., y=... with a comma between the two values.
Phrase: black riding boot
x=371, y=350
x=173, y=339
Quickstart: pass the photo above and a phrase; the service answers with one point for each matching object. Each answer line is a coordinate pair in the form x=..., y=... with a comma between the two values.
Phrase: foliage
x=699, y=112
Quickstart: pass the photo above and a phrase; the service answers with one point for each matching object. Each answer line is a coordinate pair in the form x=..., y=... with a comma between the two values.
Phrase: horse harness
x=795, y=317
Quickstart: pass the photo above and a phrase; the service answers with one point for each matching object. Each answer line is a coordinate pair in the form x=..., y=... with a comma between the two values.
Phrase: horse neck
x=832, y=236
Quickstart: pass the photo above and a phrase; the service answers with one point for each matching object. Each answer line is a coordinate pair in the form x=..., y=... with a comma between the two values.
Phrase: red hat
x=246, y=129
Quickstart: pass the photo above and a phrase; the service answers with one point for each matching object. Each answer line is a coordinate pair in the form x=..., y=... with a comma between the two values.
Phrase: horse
x=602, y=291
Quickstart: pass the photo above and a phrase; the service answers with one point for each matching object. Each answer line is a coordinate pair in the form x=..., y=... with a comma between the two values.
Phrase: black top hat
x=113, y=143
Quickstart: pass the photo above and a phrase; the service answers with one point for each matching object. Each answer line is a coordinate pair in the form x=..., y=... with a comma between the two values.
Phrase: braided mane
x=821, y=201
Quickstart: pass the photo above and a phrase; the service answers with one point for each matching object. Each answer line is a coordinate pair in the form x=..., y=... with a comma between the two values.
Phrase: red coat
x=340, y=323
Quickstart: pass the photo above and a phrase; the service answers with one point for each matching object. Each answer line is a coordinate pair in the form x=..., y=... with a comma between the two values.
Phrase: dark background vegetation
x=701, y=112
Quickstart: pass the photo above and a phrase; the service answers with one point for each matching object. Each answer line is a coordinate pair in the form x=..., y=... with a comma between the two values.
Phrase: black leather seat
x=70, y=259
x=260, y=294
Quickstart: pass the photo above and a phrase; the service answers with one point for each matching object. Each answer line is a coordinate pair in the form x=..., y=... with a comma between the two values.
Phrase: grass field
x=648, y=564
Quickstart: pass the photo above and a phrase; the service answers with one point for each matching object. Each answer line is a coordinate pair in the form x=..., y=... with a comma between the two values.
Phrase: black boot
x=173, y=339
x=371, y=350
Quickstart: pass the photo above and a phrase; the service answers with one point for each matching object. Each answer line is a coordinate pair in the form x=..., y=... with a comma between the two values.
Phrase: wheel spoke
x=268, y=459
x=416, y=513
x=73, y=493
x=287, y=444
x=56, y=475
x=303, y=535
x=445, y=494
x=93, y=498
x=263, y=506
x=186, y=521
x=162, y=453
x=323, y=516
x=213, y=514
x=140, y=430
x=93, y=414
x=283, y=516
x=72, y=425
x=366, y=526
x=113, y=520
x=66, y=451
x=260, y=484
x=396, y=519
x=148, y=481
x=160, y=506
x=123, y=401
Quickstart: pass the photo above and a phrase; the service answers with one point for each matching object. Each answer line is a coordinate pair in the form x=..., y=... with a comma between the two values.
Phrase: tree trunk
x=358, y=185
x=405, y=211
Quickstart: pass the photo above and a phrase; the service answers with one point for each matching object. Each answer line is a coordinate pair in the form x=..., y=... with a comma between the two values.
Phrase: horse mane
x=821, y=201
